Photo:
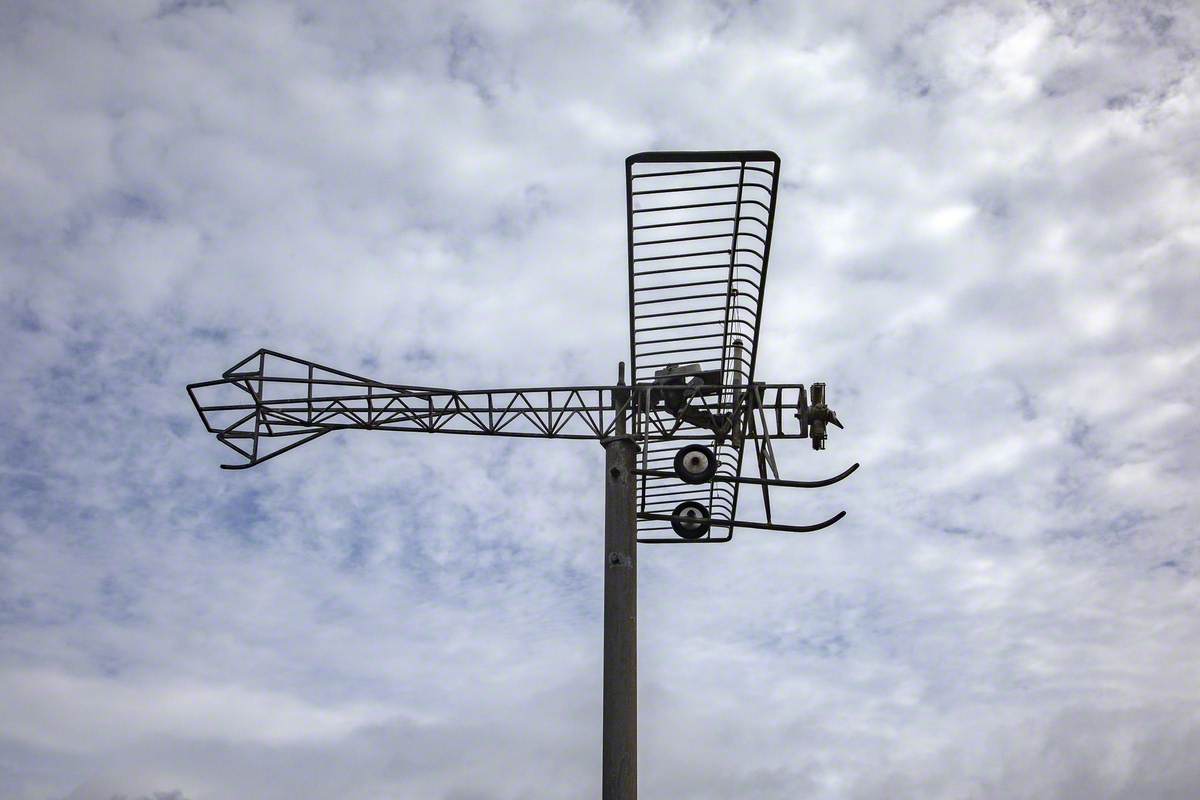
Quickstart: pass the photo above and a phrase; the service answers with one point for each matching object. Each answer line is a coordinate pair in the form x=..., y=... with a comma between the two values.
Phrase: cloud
x=983, y=246
x=47, y=708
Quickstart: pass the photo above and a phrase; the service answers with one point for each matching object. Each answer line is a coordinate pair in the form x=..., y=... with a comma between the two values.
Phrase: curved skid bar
x=255, y=460
x=665, y=473
x=733, y=523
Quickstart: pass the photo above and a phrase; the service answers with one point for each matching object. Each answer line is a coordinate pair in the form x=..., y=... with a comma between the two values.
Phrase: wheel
x=686, y=528
x=695, y=464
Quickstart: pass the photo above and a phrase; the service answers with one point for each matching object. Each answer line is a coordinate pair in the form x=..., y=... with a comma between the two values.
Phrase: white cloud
x=59, y=711
x=984, y=244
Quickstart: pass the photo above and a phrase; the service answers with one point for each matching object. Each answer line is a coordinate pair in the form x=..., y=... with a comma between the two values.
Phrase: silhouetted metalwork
x=699, y=240
x=269, y=403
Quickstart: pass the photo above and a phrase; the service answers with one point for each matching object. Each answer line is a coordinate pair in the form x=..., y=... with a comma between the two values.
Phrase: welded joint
x=616, y=559
x=622, y=437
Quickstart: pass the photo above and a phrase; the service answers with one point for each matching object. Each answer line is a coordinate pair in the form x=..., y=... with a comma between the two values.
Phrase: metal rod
x=663, y=473
x=693, y=171
x=734, y=523
x=620, y=617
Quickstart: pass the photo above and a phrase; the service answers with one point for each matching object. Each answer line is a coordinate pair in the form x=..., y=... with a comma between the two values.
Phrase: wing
x=699, y=239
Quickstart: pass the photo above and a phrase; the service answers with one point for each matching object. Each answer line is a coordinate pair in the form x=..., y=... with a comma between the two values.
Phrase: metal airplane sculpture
x=699, y=227
x=699, y=232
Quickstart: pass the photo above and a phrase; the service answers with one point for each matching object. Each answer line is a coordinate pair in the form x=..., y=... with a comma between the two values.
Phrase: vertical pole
x=620, y=614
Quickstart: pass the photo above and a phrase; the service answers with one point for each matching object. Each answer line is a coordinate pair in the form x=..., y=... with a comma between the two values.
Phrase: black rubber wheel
x=695, y=464
x=687, y=529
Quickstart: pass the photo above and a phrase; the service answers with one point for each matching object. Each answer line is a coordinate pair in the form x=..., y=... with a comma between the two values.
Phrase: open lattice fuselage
x=270, y=402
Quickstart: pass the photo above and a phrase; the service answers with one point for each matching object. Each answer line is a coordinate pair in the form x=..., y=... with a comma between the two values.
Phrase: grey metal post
x=620, y=615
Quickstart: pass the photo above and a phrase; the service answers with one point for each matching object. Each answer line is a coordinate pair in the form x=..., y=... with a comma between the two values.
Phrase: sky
x=986, y=245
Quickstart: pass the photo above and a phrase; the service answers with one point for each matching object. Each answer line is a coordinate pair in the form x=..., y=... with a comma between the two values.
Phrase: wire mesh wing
x=699, y=238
